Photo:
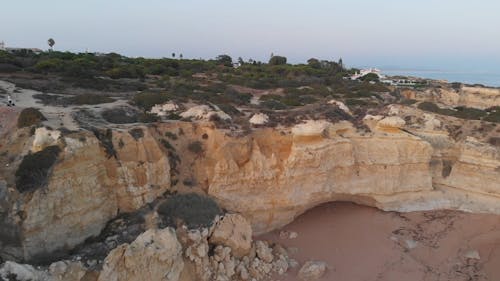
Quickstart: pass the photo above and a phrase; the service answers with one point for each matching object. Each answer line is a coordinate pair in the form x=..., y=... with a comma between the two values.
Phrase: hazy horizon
x=446, y=36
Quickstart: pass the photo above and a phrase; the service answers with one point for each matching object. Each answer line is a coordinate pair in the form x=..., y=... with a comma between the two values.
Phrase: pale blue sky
x=432, y=34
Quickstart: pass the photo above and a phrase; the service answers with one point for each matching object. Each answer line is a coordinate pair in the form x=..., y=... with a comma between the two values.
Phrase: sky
x=458, y=35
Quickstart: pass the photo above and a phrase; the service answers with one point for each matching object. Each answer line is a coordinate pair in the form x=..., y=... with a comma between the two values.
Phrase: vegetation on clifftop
x=34, y=169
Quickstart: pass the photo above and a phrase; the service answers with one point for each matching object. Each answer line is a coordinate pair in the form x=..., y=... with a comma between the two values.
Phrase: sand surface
x=362, y=243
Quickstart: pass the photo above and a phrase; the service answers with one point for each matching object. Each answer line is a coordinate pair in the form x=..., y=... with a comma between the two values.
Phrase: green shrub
x=136, y=133
x=147, y=100
x=33, y=171
x=196, y=147
x=120, y=116
x=90, y=99
x=167, y=145
x=193, y=209
x=432, y=107
x=277, y=60
x=145, y=117
x=273, y=104
x=30, y=116
x=408, y=101
x=171, y=135
x=105, y=137
x=493, y=114
x=462, y=112
x=469, y=113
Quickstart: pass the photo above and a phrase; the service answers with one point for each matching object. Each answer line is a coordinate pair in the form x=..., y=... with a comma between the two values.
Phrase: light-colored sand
x=362, y=243
x=57, y=116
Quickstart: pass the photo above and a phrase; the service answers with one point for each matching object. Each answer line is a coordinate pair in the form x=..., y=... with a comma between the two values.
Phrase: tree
x=240, y=61
x=341, y=63
x=51, y=43
x=225, y=60
x=173, y=55
x=370, y=77
x=277, y=60
x=180, y=56
x=314, y=63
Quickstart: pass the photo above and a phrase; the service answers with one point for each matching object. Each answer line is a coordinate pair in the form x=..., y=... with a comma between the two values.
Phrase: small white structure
x=2, y=46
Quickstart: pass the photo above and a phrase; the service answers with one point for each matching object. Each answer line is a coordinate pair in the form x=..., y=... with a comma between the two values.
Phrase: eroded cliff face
x=269, y=175
x=469, y=96
x=392, y=168
x=85, y=189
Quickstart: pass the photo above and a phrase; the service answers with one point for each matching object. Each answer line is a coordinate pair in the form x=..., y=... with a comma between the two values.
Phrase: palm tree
x=51, y=43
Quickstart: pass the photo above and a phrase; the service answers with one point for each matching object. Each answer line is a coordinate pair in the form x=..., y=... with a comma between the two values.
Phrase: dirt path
x=362, y=243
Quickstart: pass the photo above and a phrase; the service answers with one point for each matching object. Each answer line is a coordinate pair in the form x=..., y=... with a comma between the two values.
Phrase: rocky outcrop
x=22, y=272
x=154, y=255
x=227, y=263
x=234, y=232
x=396, y=167
x=476, y=97
x=312, y=270
x=87, y=187
x=314, y=167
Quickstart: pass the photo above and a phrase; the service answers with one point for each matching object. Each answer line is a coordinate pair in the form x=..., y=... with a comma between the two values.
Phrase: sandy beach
x=361, y=243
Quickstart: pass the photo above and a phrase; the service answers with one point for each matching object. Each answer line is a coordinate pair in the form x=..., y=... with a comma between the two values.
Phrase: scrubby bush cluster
x=491, y=115
x=29, y=116
x=34, y=169
x=192, y=209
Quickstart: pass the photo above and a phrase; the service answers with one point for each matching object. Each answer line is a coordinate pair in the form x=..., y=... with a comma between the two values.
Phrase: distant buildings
x=19, y=50
x=393, y=81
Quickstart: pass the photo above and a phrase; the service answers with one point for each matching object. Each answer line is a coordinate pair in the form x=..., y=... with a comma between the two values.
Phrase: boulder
x=340, y=105
x=45, y=137
x=67, y=271
x=235, y=232
x=154, y=255
x=204, y=112
x=312, y=270
x=263, y=251
x=310, y=128
x=22, y=272
x=164, y=109
x=259, y=119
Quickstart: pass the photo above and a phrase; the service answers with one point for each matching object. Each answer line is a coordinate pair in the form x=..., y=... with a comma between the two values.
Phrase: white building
x=2, y=46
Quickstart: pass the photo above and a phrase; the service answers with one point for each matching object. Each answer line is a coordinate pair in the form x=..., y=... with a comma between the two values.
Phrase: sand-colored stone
x=234, y=232
x=154, y=255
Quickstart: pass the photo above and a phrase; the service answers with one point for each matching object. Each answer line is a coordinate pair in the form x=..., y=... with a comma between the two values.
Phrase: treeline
x=115, y=66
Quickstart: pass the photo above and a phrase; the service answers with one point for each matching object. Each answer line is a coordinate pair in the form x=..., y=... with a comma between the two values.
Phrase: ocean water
x=488, y=78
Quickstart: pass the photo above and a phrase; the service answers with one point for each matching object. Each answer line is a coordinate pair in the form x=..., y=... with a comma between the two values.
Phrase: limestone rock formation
x=154, y=255
x=469, y=96
x=91, y=182
x=22, y=272
x=259, y=119
x=164, y=109
x=45, y=137
x=204, y=112
x=234, y=232
x=221, y=263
